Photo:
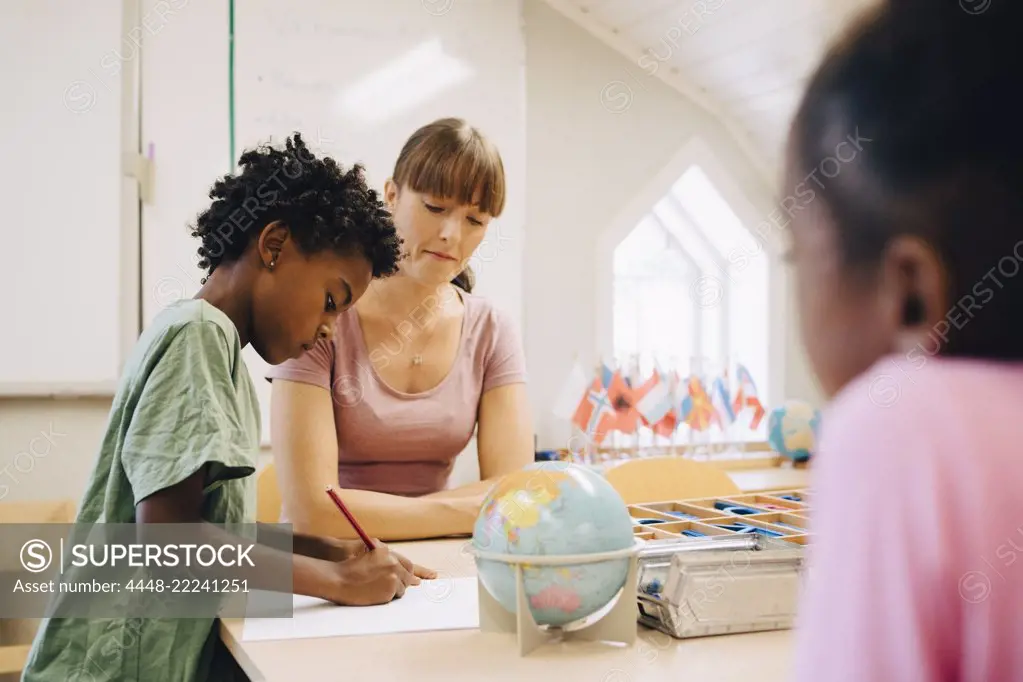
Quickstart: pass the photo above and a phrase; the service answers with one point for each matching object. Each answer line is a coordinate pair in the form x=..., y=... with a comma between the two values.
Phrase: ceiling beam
x=698, y=96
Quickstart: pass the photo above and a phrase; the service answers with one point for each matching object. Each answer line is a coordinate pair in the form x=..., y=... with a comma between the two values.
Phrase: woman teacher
x=413, y=368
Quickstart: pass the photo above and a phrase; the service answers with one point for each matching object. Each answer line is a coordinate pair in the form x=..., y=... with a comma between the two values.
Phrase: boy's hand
x=340, y=550
x=415, y=569
x=368, y=578
x=357, y=547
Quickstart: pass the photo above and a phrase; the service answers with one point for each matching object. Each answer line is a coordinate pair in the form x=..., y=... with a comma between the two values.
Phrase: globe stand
x=617, y=625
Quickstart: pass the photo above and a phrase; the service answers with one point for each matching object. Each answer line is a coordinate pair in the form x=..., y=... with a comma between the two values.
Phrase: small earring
x=913, y=313
x=273, y=262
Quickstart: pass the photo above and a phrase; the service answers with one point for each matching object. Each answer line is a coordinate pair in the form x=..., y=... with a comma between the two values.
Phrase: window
x=691, y=294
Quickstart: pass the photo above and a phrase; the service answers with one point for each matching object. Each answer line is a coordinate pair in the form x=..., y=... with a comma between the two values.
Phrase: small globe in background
x=793, y=430
x=554, y=509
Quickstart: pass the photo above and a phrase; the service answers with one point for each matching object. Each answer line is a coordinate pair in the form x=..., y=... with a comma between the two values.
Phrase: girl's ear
x=390, y=194
x=917, y=289
x=913, y=313
x=271, y=242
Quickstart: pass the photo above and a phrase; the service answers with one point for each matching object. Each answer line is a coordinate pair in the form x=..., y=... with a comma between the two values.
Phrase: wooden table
x=757, y=477
x=13, y=657
x=775, y=478
x=470, y=655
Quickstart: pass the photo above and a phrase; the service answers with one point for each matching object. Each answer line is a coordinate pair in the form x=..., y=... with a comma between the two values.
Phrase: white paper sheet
x=441, y=604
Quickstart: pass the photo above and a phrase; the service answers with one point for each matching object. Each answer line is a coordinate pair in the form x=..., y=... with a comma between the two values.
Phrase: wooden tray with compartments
x=782, y=515
x=718, y=565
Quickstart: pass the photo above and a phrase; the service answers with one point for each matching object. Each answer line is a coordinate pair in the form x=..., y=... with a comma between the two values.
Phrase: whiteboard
x=356, y=78
x=68, y=282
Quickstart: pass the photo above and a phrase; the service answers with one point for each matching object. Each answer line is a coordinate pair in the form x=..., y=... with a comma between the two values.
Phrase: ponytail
x=465, y=280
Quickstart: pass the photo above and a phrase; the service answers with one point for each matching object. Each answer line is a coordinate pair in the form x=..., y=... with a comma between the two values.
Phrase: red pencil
x=351, y=519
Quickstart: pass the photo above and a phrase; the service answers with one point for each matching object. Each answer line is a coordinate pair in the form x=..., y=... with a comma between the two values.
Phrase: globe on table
x=793, y=430
x=554, y=509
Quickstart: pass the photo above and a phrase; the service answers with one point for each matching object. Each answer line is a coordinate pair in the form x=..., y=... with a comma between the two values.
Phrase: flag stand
x=617, y=389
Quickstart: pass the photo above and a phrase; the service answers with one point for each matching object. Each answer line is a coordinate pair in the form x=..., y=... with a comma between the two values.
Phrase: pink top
x=406, y=443
x=915, y=571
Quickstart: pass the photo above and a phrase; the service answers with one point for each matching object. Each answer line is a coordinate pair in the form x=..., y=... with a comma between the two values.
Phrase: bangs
x=461, y=168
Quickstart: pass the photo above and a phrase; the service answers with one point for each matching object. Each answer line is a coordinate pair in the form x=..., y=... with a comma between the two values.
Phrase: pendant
x=417, y=359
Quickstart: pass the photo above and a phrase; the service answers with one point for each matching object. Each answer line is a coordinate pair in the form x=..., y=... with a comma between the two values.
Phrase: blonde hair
x=448, y=158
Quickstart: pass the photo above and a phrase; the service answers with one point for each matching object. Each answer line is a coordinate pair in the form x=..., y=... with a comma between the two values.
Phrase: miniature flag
x=747, y=396
x=697, y=410
x=745, y=379
x=572, y=391
x=669, y=422
x=758, y=411
x=623, y=400
x=639, y=392
x=657, y=401
x=595, y=415
x=722, y=401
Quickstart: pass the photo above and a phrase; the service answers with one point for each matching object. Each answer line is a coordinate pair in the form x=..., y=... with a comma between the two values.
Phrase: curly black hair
x=325, y=207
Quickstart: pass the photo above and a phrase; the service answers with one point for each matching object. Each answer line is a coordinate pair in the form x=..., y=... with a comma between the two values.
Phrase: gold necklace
x=417, y=359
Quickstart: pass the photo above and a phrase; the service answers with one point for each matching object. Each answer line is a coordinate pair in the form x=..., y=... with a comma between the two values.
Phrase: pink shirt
x=406, y=443
x=916, y=572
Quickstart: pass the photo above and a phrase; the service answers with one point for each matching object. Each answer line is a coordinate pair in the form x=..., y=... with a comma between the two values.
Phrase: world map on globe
x=554, y=509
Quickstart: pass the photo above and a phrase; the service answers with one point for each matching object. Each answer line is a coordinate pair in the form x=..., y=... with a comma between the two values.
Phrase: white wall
x=598, y=131
x=47, y=447
x=66, y=129
x=583, y=163
x=293, y=66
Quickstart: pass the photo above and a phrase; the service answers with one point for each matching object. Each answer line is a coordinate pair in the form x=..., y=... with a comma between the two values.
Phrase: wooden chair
x=658, y=479
x=268, y=496
x=13, y=658
x=16, y=634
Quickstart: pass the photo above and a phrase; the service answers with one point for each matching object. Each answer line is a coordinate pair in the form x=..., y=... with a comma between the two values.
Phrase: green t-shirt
x=186, y=400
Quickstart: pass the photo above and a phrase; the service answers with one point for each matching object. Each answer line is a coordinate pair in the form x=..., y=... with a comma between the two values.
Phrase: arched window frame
x=694, y=267
x=762, y=226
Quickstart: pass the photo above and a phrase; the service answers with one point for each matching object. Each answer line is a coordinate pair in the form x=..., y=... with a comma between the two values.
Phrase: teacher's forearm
x=477, y=490
x=390, y=518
